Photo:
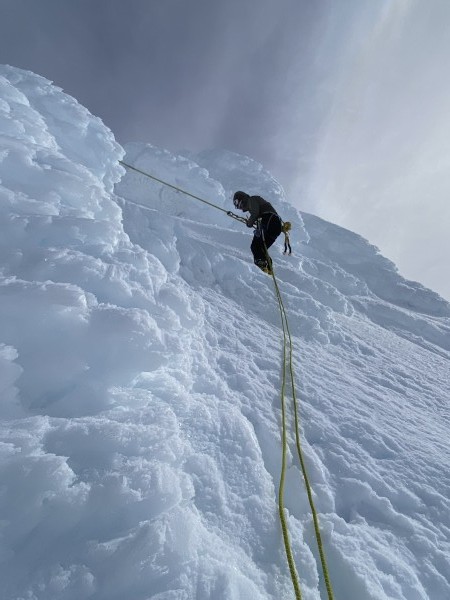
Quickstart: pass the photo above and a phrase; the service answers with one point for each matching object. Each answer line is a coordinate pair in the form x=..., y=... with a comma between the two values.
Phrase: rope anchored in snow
x=286, y=337
x=286, y=226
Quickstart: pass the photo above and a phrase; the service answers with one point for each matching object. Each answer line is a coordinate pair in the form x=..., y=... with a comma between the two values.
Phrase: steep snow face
x=140, y=359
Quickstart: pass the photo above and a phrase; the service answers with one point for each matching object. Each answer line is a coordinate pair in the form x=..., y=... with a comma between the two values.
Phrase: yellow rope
x=178, y=189
x=286, y=333
x=284, y=528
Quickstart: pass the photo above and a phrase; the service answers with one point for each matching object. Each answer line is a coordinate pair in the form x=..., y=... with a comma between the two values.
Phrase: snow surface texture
x=140, y=358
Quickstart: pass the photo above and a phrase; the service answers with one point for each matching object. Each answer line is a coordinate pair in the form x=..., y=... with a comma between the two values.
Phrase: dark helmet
x=239, y=198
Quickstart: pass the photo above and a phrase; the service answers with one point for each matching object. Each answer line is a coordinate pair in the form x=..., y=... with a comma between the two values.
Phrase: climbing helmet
x=239, y=198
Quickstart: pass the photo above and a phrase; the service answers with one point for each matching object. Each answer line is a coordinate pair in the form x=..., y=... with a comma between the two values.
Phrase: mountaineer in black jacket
x=268, y=226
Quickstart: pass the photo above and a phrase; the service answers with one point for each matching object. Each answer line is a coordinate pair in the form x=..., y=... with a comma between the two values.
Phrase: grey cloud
x=274, y=80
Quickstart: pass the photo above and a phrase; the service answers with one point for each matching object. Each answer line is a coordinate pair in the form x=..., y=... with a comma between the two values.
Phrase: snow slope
x=140, y=358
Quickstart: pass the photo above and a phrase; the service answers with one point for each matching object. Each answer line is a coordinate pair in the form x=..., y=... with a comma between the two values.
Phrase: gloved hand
x=248, y=224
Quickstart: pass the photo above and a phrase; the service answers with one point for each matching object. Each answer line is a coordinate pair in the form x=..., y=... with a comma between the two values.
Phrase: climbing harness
x=287, y=342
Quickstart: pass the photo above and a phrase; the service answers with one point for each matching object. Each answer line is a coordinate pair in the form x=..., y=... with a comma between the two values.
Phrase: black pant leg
x=257, y=248
x=270, y=229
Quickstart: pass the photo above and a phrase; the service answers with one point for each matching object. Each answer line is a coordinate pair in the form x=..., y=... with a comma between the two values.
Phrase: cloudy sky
x=344, y=101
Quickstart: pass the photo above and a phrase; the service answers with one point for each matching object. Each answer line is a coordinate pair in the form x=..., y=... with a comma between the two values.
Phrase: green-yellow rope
x=174, y=187
x=286, y=333
x=284, y=528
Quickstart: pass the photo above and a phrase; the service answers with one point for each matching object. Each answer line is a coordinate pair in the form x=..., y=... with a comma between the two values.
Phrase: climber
x=268, y=227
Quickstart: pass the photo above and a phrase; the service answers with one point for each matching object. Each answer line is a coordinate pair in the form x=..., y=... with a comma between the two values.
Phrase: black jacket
x=257, y=207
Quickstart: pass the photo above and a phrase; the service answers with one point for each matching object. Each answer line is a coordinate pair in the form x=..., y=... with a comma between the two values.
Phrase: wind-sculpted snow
x=140, y=359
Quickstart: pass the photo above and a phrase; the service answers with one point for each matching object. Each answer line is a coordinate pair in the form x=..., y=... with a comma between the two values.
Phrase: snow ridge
x=140, y=372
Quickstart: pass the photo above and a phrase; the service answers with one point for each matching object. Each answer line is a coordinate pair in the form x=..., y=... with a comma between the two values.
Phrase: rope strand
x=178, y=189
x=287, y=334
x=284, y=528
x=286, y=338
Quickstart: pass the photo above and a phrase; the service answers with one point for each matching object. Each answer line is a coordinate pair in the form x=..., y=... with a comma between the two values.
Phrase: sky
x=141, y=362
x=345, y=102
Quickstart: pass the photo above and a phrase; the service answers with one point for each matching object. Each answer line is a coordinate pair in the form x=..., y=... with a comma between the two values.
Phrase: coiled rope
x=287, y=340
